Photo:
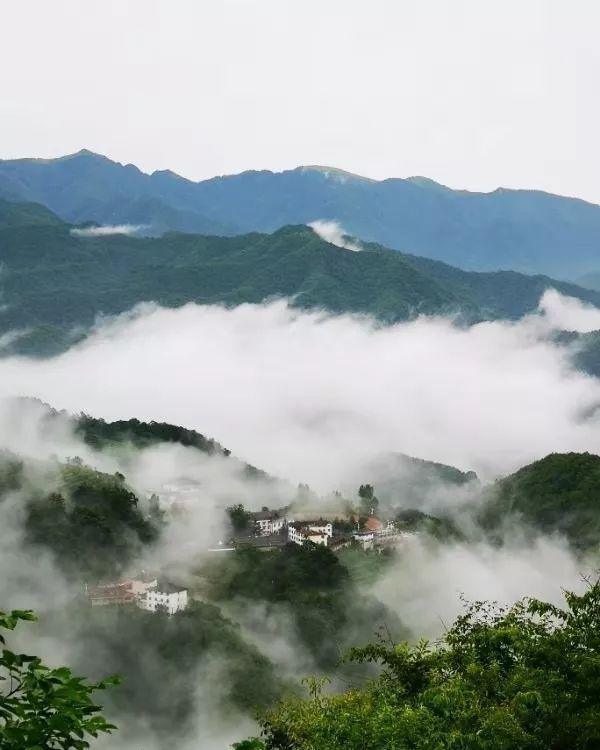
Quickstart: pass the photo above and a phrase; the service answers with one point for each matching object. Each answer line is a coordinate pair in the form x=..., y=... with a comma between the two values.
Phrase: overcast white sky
x=473, y=93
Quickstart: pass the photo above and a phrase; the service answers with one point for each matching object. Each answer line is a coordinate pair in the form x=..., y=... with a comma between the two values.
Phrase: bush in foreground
x=526, y=678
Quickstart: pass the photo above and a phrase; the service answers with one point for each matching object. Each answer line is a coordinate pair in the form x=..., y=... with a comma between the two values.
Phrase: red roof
x=373, y=524
x=112, y=593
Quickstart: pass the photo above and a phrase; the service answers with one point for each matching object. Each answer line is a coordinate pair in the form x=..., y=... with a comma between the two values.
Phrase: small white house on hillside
x=165, y=597
x=268, y=522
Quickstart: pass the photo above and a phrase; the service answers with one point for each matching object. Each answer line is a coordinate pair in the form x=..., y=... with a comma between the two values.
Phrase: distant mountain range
x=523, y=230
x=54, y=281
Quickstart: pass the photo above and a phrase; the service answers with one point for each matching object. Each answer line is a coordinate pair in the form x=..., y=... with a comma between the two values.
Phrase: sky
x=473, y=93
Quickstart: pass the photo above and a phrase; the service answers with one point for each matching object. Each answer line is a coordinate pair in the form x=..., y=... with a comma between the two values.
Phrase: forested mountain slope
x=524, y=230
x=558, y=493
x=54, y=283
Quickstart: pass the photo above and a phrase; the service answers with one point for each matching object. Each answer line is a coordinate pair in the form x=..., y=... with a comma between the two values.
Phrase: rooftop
x=264, y=515
x=165, y=587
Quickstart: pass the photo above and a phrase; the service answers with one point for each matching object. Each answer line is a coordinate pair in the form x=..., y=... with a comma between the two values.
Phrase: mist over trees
x=262, y=621
x=523, y=678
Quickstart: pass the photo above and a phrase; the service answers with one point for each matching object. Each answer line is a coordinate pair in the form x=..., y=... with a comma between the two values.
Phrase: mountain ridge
x=530, y=231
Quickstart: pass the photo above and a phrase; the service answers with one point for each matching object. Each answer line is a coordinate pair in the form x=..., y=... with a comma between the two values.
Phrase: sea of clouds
x=311, y=397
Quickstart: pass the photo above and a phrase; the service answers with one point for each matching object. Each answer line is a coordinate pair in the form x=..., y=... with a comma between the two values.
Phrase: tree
x=43, y=708
x=368, y=502
x=526, y=678
x=240, y=518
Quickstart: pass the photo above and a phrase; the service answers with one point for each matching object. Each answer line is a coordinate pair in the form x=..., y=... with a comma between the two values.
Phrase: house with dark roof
x=267, y=522
x=166, y=597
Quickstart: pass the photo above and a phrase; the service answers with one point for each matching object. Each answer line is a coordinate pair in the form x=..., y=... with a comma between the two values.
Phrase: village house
x=123, y=592
x=146, y=592
x=317, y=532
x=117, y=594
x=164, y=597
x=268, y=522
x=142, y=583
x=376, y=534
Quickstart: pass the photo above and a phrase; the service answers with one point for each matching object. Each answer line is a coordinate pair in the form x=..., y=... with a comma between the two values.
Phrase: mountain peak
x=333, y=173
x=426, y=182
x=167, y=173
x=83, y=152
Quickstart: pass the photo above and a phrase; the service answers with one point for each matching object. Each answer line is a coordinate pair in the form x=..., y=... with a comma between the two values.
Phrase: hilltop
x=559, y=493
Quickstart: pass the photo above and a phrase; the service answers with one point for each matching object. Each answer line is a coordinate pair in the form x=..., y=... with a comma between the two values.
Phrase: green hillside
x=26, y=214
x=54, y=284
x=402, y=481
x=90, y=521
x=525, y=678
x=559, y=493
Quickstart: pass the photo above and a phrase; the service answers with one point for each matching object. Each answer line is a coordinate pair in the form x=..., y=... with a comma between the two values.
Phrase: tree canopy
x=524, y=678
x=43, y=708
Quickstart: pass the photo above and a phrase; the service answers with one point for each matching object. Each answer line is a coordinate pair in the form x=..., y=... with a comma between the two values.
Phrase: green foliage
x=523, y=679
x=368, y=502
x=26, y=214
x=327, y=610
x=91, y=523
x=239, y=517
x=365, y=567
x=442, y=529
x=11, y=473
x=43, y=708
x=100, y=434
x=559, y=493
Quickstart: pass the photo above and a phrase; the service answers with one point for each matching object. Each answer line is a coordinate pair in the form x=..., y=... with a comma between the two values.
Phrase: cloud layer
x=309, y=397
x=333, y=232
x=107, y=230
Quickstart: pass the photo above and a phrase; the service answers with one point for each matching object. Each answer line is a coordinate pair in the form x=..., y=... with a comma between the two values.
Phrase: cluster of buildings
x=272, y=529
x=270, y=523
x=145, y=592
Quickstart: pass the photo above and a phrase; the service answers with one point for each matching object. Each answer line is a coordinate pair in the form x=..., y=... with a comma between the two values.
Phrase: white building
x=166, y=597
x=269, y=522
x=317, y=532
